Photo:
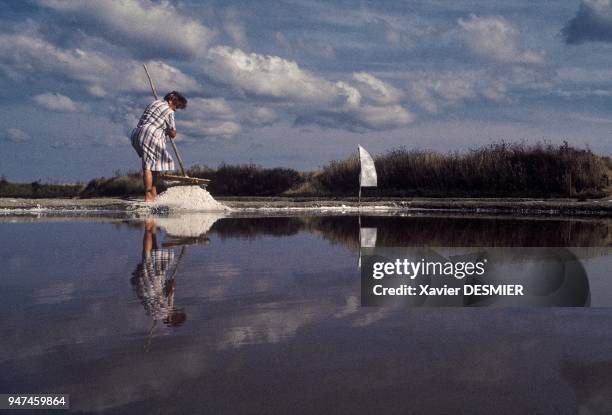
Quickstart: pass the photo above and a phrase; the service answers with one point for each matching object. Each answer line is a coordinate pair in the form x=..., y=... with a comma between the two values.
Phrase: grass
x=498, y=170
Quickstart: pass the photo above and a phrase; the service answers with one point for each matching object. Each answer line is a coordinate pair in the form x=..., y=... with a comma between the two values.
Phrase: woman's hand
x=171, y=133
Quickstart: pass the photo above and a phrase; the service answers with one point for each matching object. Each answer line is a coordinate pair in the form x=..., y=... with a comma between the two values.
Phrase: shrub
x=499, y=170
x=248, y=179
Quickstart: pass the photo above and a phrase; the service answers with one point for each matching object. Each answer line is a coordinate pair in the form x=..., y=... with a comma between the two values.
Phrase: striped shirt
x=148, y=138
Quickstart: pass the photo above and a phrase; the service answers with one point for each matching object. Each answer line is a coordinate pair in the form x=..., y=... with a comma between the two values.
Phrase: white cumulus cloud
x=57, y=102
x=148, y=29
x=377, y=90
x=371, y=104
x=207, y=117
x=265, y=76
x=497, y=39
x=27, y=55
x=431, y=94
x=261, y=116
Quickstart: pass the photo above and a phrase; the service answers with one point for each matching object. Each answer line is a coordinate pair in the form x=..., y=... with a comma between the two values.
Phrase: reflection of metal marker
x=367, y=239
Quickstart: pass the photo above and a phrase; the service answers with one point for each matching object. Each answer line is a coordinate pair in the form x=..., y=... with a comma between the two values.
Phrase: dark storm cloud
x=592, y=23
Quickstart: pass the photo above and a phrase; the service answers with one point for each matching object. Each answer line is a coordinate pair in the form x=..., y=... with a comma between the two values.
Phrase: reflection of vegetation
x=441, y=231
x=429, y=230
x=254, y=227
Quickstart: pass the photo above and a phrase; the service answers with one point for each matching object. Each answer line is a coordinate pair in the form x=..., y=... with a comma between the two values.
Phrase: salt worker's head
x=176, y=100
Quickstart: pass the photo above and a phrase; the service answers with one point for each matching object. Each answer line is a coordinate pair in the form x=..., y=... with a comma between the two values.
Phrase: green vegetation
x=499, y=170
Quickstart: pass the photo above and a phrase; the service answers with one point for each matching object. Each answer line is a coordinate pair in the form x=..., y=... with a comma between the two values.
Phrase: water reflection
x=154, y=279
x=273, y=322
x=423, y=230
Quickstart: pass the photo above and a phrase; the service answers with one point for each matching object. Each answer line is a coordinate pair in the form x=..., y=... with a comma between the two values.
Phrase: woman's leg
x=147, y=177
x=154, y=187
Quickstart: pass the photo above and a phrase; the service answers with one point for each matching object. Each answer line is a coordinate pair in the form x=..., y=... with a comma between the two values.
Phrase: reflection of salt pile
x=188, y=198
x=189, y=225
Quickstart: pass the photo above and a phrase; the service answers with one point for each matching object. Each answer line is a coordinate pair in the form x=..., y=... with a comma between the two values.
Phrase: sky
x=297, y=83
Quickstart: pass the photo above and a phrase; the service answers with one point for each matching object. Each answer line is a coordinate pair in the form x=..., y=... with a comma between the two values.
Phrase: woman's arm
x=171, y=125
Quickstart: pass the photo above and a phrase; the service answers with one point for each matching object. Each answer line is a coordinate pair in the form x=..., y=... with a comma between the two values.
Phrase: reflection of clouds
x=272, y=323
x=352, y=306
x=592, y=384
x=55, y=293
x=225, y=276
x=306, y=326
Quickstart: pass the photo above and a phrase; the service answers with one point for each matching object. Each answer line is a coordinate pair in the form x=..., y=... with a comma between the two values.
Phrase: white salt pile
x=192, y=198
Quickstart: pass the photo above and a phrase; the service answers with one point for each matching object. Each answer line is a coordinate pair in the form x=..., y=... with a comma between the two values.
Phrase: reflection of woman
x=154, y=286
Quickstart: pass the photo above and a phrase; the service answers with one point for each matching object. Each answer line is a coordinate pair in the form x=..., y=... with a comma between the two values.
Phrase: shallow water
x=213, y=314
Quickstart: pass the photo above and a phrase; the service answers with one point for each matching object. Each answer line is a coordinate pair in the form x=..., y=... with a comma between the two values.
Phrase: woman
x=149, y=142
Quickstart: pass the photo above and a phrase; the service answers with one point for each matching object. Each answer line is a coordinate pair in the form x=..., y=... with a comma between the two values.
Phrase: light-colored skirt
x=150, y=144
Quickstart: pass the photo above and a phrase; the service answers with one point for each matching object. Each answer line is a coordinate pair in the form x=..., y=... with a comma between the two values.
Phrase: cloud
x=592, y=23
x=206, y=117
x=27, y=55
x=377, y=90
x=435, y=92
x=261, y=116
x=147, y=29
x=235, y=28
x=265, y=76
x=16, y=135
x=431, y=94
x=359, y=118
x=379, y=27
x=372, y=104
x=496, y=39
x=57, y=102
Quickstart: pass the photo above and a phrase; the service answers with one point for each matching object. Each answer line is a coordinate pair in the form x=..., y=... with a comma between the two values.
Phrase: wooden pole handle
x=150, y=82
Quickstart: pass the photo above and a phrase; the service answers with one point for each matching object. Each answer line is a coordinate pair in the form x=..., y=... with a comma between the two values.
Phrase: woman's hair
x=181, y=101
